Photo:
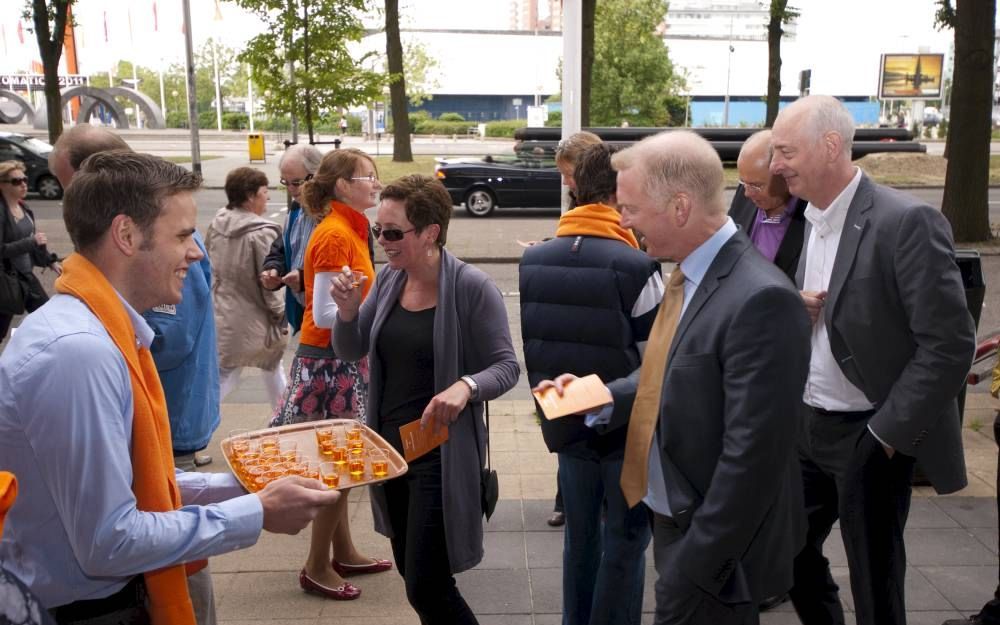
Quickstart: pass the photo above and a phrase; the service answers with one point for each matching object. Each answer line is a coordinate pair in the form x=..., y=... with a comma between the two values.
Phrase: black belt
x=131, y=596
x=845, y=414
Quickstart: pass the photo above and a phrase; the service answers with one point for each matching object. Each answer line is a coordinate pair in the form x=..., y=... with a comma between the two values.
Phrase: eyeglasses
x=756, y=188
x=15, y=181
x=390, y=234
x=296, y=183
x=369, y=178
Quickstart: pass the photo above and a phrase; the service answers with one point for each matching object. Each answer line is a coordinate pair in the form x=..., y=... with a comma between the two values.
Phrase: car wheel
x=480, y=202
x=49, y=188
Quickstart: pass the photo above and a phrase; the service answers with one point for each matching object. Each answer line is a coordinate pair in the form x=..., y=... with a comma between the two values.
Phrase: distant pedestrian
x=343, y=125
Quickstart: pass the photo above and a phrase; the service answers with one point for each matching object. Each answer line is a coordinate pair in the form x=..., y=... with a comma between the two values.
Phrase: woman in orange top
x=322, y=386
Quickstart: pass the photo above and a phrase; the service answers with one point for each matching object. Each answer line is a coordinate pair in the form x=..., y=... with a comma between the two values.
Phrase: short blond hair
x=8, y=166
x=674, y=162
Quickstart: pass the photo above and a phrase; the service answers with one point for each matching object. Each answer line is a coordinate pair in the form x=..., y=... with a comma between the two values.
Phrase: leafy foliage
x=315, y=37
x=49, y=21
x=635, y=81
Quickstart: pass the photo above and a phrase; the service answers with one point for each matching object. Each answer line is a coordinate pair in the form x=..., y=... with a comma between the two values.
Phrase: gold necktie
x=646, y=408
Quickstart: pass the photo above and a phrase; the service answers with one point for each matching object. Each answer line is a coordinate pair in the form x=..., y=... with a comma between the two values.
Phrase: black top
x=405, y=349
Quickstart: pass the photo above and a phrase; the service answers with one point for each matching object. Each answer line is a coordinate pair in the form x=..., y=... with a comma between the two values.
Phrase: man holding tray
x=106, y=525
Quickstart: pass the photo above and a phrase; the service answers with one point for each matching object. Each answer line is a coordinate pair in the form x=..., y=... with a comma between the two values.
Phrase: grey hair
x=677, y=161
x=751, y=149
x=308, y=155
x=826, y=114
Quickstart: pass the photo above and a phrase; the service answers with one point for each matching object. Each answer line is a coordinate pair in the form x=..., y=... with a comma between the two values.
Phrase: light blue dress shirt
x=694, y=267
x=65, y=433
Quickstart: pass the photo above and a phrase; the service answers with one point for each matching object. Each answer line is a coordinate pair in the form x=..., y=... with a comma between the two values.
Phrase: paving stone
x=502, y=619
x=970, y=511
x=503, y=550
x=266, y=596
x=921, y=595
x=925, y=513
x=545, y=549
x=967, y=588
x=507, y=517
x=496, y=591
x=546, y=590
x=930, y=617
x=543, y=462
x=987, y=536
x=536, y=513
x=539, y=486
x=945, y=547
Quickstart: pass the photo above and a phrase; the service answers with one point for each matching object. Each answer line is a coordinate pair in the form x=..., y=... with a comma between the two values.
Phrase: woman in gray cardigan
x=439, y=345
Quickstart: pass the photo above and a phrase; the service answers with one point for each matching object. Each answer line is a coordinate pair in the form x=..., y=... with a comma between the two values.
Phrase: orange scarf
x=596, y=220
x=152, y=452
x=8, y=493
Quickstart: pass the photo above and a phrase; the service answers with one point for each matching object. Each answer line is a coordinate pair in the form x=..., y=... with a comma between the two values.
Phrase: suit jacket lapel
x=728, y=255
x=854, y=227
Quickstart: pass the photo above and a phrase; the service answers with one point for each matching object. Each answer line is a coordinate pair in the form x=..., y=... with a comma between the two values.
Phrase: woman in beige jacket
x=250, y=320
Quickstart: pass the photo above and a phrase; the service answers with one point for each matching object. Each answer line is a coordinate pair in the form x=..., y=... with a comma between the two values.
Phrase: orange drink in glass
x=379, y=462
x=329, y=474
x=339, y=455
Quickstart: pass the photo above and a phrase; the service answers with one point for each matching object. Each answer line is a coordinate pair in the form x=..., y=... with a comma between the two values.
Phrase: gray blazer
x=899, y=325
x=471, y=337
x=729, y=420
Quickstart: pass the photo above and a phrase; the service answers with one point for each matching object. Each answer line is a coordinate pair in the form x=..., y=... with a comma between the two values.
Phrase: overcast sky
x=833, y=37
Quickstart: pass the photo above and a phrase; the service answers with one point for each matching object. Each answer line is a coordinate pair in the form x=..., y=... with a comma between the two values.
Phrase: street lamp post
x=729, y=67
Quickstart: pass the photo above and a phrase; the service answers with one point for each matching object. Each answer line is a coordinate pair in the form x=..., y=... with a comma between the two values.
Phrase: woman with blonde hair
x=323, y=386
x=22, y=246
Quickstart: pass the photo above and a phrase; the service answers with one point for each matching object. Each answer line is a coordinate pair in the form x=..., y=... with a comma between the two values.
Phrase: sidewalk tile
x=945, y=547
x=504, y=550
x=987, y=536
x=925, y=513
x=507, y=517
x=266, y=596
x=921, y=595
x=967, y=588
x=545, y=549
x=537, y=512
x=495, y=591
x=546, y=591
x=537, y=462
x=970, y=511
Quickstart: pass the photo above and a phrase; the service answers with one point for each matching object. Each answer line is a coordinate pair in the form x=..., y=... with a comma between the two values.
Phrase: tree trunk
x=50, y=47
x=774, y=33
x=589, y=8
x=966, y=182
x=305, y=64
x=401, y=150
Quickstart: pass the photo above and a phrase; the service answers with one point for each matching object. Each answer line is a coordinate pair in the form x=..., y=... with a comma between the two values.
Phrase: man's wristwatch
x=472, y=386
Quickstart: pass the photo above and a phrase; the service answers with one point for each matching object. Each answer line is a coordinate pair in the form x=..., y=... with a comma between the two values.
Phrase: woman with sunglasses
x=323, y=386
x=436, y=334
x=22, y=247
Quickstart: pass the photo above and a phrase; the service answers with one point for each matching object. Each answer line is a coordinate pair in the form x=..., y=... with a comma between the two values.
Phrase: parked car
x=34, y=153
x=481, y=185
x=932, y=116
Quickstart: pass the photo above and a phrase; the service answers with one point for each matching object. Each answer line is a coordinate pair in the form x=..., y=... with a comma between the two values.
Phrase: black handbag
x=489, y=483
x=13, y=291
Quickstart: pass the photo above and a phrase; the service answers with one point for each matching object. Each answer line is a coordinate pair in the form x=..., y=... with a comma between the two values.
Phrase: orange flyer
x=580, y=396
x=417, y=442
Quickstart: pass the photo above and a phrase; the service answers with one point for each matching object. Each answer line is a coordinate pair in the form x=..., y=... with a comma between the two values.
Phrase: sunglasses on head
x=16, y=181
x=296, y=183
x=390, y=234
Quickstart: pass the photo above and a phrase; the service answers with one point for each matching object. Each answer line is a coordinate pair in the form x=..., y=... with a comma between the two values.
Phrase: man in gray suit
x=722, y=402
x=892, y=342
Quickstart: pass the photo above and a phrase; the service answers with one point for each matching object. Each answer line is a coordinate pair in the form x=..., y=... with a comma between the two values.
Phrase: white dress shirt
x=827, y=387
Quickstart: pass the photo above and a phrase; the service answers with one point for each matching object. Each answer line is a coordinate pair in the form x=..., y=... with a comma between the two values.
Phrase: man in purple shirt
x=764, y=209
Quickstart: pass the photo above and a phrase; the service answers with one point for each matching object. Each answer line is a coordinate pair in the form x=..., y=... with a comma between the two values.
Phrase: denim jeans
x=604, y=545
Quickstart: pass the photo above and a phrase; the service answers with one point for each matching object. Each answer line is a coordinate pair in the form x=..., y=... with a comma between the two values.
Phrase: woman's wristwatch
x=472, y=386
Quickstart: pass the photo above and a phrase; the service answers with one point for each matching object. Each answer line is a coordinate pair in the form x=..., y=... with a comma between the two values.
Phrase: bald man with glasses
x=763, y=207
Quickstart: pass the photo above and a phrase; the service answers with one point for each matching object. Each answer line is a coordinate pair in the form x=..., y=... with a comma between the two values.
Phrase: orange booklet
x=580, y=396
x=417, y=442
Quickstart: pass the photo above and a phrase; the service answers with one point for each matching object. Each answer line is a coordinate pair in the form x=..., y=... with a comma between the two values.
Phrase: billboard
x=910, y=77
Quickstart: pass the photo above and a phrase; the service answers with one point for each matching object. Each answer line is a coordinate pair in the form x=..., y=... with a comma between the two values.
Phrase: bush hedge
x=504, y=128
x=451, y=117
x=436, y=127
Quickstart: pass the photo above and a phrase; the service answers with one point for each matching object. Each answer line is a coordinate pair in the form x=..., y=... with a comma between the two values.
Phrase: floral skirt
x=324, y=388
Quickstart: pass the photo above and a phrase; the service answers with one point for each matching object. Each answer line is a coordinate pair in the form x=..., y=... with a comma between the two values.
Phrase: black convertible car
x=34, y=153
x=483, y=184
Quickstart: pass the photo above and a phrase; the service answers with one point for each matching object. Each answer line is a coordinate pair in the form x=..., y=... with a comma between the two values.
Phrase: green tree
x=588, y=10
x=314, y=37
x=49, y=24
x=781, y=14
x=634, y=82
x=966, y=183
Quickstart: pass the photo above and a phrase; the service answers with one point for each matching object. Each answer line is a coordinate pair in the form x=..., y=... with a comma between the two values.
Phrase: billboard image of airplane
x=911, y=76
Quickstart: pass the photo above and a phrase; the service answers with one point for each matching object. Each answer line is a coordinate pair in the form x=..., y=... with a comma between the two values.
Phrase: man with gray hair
x=76, y=144
x=710, y=445
x=892, y=341
x=283, y=263
x=763, y=207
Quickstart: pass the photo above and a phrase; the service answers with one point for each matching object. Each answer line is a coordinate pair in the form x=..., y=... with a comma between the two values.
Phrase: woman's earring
x=430, y=251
